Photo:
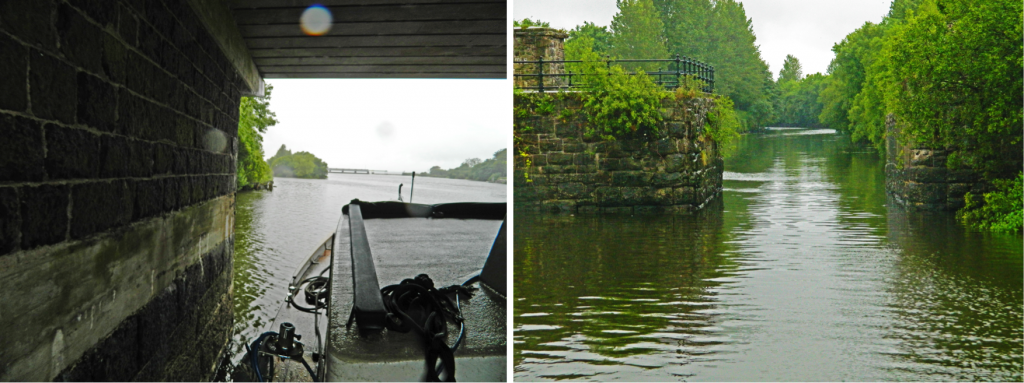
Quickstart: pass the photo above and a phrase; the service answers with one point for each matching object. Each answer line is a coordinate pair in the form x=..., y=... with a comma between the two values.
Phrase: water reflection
x=803, y=272
x=624, y=300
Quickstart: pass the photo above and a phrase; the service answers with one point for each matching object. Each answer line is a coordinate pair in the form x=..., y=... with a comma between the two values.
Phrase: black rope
x=416, y=305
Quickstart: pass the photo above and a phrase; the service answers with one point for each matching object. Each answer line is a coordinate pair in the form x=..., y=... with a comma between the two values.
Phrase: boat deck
x=450, y=251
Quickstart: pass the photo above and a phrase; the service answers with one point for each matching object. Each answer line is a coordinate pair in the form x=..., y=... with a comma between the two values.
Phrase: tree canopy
x=491, y=169
x=297, y=165
x=254, y=117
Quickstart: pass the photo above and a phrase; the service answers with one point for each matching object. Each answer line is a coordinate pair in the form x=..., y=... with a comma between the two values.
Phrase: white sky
x=804, y=28
x=391, y=124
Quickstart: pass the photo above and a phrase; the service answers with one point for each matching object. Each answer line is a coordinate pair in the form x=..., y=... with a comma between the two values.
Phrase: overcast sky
x=806, y=29
x=391, y=124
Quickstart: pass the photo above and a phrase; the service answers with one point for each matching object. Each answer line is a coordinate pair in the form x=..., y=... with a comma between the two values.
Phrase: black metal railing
x=670, y=76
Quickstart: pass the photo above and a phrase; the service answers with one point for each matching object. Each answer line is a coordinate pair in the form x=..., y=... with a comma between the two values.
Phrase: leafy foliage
x=949, y=72
x=297, y=165
x=254, y=117
x=1002, y=210
x=637, y=34
x=798, y=103
x=491, y=169
x=526, y=23
x=600, y=37
x=791, y=70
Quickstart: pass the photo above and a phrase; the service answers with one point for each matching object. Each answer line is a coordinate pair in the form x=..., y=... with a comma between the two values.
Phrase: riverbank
x=268, y=186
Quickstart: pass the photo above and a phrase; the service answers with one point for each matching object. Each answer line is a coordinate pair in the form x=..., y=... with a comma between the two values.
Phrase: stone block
x=551, y=145
x=588, y=209
x=926, y=174
x=127, y=25
x=630, y=178
x=559, y=159
x=685, y=195
x=676, y=129
x=44, y=215
x=573, y=190
x=26, y=19
x=538, y=160
x=182, y=160
x=53, y=88
x=149, y=199
x=96, y=101
x=663, y=179
x=583, y=159
x=117, y=157
x=10, y=220
x=678, y=163
x=99, y=206
x=163, y=158
x=963, y=176
x=567, y=130
x=79, y=39
x=72, y=153
x=21, y=150
x=532, y=193
x=926, y=193
x=191, y=287
x=13, y=74
x=616, y=164
x=667, y=146
x=573, y=145
x=156, y=321
x=519, y=177
x=197, y=189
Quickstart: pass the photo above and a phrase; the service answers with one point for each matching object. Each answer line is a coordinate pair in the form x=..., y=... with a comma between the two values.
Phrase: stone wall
x=918, y=177
x=678, y=170
x=116, y=191
x=532, y=44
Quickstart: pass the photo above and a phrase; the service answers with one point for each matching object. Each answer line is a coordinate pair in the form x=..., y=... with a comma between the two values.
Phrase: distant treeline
x=490, y=170
x=298, y=165
x=949, y=73
x=715, y=32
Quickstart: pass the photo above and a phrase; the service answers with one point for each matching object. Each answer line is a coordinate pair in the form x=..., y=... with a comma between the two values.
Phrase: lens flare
x=316, y=20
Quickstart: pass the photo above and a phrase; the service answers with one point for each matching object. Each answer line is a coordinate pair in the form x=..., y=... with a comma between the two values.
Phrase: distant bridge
x=356, y=171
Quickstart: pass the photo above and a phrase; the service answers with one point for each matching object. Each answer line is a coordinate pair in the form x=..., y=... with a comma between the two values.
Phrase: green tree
x=791, y=70
x=599, y=35
x=254, y=117
x=637, y=34
x=688, y=27
x=298, y=165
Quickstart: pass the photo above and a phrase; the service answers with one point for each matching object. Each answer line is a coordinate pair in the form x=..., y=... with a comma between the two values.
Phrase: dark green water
x=801, y=272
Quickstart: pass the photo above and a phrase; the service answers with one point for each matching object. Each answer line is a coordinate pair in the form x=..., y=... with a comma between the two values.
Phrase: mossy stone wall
x=676, y=170
x=918, y=178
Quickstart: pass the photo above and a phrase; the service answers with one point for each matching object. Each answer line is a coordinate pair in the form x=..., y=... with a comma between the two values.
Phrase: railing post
x=540, y=74
x=712, y=78
x=570, y=79
x=679, y=81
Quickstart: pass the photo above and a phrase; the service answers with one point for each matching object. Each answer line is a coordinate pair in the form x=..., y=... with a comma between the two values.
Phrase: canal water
x=276, y=231
x=802, y=271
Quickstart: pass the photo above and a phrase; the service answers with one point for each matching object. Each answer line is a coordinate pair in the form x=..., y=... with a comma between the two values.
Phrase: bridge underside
x=377, y=39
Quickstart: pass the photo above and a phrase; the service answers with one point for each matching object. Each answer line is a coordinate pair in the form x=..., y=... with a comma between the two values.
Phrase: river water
x=801, y=272
x=276, y=231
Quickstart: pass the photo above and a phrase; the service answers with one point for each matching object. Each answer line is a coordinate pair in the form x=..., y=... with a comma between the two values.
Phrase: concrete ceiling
x=377, y=38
